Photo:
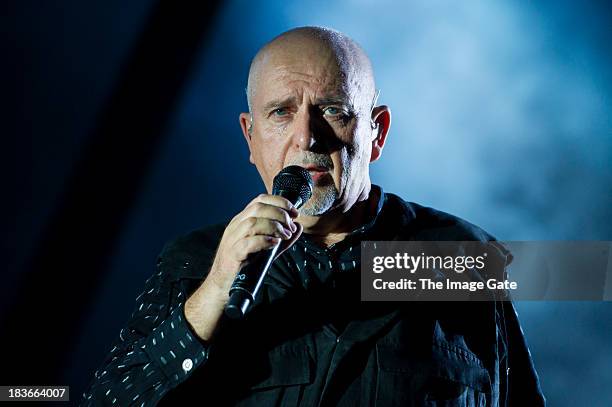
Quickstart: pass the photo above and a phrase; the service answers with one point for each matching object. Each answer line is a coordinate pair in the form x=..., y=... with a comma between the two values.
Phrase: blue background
x=501, y=115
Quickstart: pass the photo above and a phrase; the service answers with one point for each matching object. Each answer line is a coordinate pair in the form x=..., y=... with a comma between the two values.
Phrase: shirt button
x=187, y=364
x=338, y=340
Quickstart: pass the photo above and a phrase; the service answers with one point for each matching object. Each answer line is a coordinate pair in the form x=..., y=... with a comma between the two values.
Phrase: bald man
x=309, y=340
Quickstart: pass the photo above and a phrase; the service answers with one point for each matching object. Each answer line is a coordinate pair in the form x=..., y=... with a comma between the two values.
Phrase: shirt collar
x=356, y=235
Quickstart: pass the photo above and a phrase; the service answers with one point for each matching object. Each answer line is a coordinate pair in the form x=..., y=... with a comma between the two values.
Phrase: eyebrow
x=330, y=100
x=279, y=102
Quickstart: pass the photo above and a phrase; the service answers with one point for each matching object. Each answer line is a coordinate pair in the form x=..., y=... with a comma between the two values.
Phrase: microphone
x=295, y=184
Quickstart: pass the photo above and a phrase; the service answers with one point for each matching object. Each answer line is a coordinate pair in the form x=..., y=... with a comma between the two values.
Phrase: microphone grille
x=294, y=180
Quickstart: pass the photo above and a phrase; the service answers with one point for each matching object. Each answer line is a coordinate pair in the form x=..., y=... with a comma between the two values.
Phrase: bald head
x=308, y=44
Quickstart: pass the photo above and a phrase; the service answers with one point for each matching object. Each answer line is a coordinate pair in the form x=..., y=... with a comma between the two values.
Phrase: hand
x=266, y=221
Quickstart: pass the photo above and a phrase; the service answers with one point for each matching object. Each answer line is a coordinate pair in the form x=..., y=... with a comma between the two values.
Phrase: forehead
x=316, y=72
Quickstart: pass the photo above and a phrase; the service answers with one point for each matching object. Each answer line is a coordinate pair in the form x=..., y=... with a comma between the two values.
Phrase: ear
x=245, y=125
x=381, y=118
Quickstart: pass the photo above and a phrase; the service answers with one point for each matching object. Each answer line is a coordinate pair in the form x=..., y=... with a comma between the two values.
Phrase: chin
x=321, y=202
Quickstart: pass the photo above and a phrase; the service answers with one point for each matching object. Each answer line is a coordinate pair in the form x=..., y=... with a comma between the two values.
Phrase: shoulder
x=422, y=223
x=426, y=223
x=190, y=255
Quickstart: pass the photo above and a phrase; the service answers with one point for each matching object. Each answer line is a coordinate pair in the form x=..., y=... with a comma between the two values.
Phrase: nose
x=303, y=134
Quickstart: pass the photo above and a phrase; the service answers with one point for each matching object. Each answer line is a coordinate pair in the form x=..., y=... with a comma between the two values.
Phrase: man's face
x=309, y=112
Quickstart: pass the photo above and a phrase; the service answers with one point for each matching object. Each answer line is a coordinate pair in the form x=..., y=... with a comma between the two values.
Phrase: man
x=308, y=339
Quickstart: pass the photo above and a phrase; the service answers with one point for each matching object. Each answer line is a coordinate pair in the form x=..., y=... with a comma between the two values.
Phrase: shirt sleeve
x=154, y=353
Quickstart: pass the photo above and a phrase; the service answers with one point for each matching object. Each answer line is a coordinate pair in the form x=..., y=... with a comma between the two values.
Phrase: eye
x=332, y=111
x=336, y=114
x=280, y=112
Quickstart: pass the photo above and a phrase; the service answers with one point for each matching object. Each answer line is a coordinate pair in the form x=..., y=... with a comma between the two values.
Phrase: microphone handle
x=247, y=283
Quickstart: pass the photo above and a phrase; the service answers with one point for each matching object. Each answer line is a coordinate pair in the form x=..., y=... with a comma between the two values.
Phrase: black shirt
x=309, y=340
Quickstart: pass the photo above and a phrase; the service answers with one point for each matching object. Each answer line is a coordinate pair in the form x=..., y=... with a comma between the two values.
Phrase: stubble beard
x=322, y=200
x=325, y=194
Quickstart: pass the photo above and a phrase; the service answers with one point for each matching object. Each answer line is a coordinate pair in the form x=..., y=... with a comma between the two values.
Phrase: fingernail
x=293, y=226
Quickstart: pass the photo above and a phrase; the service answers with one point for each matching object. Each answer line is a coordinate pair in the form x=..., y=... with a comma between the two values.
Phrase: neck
x=335, y=225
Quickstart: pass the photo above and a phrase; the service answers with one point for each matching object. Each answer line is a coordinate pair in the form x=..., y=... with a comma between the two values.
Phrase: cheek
x=342, y=167
x=362, y=149
x=350, y=162
x=269, y=158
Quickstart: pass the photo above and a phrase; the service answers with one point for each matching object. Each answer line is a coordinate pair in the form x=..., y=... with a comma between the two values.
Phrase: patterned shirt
x=303, y=342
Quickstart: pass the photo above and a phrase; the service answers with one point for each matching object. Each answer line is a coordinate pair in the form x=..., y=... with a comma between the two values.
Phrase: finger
x=261, y=226
x=276, y=200
x=264, y=210
x=286, y=244
x=244, y=248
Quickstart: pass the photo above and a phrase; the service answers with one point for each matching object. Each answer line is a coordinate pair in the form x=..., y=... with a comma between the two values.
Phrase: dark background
x=120, y=121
